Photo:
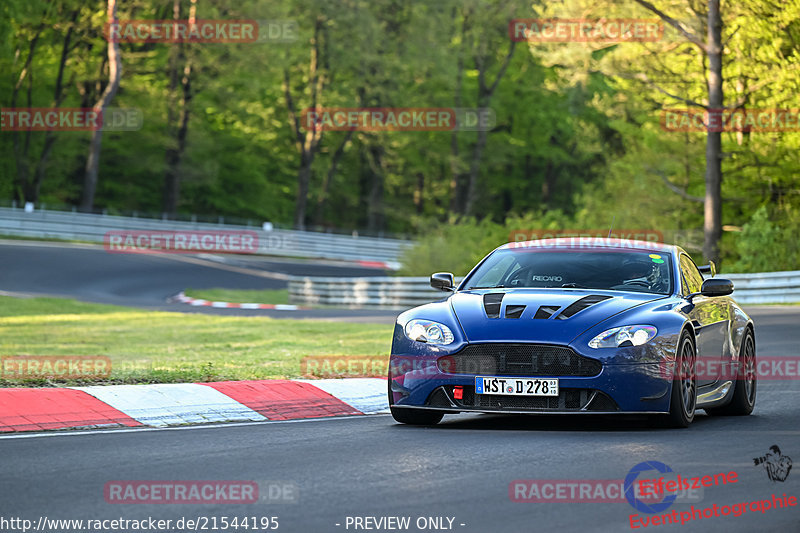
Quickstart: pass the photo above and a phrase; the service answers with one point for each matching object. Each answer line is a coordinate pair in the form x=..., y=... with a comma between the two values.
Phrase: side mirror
x=710, y=268
x=716, y=287
x=443, y=281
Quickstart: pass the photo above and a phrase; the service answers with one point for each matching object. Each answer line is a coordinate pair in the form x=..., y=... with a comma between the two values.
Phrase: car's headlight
x=624, y=336
x=428, y=331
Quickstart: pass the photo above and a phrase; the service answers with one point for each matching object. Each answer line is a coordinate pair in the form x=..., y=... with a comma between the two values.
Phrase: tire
x=413, y=417
x=744, y=392
x=416, y=417
x=683, y=400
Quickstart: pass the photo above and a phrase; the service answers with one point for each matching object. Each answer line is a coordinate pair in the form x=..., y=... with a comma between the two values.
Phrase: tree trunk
x=457, y=193
x=114, y=76
x=307, y=142
x=174, y=153
x=485, y=93
x=303, y=181
x=419, y=193
x=474, y=172
x=58, y=97
x=713, y=199
x=22, y=185
x=375, y=215
x=322, y=202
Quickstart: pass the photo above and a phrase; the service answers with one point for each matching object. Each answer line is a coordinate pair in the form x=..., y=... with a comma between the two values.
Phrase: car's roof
x=590, y=243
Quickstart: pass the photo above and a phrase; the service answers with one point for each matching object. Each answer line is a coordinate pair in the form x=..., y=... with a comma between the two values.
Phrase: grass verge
x=267, y=296
x=159, y=347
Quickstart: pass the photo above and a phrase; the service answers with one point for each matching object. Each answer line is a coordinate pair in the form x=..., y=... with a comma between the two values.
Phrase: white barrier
x=765, y=287
x=291, y=243
x=402, y=293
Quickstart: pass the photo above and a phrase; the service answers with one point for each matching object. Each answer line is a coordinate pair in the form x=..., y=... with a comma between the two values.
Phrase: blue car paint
x=637, y=378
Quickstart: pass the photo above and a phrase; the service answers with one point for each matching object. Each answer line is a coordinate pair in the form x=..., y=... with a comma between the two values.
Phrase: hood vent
x=580, y=305
x=514, y=311
x=491, y=303
x=546, y=311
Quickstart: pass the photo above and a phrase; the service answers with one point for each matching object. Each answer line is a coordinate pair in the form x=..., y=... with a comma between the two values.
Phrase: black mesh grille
x=519, y=360
x=438, y=399
x=602, y=402
x=568, y=399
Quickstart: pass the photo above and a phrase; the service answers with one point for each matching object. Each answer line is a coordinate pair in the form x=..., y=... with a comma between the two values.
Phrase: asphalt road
x=89, y=273
x=370, y=466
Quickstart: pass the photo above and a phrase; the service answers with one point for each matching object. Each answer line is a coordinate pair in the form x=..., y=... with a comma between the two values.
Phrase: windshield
x=610, y=270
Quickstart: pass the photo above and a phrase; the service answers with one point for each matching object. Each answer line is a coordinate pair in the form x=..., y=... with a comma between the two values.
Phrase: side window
x=693, y=280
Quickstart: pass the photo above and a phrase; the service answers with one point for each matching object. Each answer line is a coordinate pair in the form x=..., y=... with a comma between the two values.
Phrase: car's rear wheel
x=414, y=417
x=683, y=400
x=744, y=391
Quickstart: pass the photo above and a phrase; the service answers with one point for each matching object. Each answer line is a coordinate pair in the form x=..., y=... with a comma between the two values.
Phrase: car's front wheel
x=416, y=417
x=684, y=385
x=744, y=392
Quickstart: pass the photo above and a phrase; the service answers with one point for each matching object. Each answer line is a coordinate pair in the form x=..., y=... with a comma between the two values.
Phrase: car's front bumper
x=617, y=388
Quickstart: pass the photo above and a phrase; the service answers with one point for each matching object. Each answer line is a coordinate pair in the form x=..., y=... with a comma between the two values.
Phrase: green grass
x=275, y=296
x=159, y=347
x=46, y=239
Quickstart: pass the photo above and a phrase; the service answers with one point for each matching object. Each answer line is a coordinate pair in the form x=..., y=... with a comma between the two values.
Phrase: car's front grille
x=519, y=360
x=567, y=400
x=602, y=402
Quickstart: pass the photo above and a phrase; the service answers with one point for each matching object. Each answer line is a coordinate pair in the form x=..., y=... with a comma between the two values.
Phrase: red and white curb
x=182, y=298
x=28, y=409
x=383, y=265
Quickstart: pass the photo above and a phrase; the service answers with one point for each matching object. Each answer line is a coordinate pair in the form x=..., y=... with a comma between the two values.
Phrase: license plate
x=516, y=386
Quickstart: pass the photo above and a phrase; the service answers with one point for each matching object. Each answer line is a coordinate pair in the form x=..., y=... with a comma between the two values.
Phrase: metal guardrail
x=403, y=293
x=291, y=243
x=765, y=287
x=373, y=292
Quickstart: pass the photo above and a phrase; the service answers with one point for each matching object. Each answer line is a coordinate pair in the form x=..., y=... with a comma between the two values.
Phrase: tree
x=114, y=77
x=308, y=138
x=178, y=111
x=712, y=47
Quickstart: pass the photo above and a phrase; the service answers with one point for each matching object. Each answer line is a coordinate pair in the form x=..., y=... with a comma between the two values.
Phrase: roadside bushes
x=457, y=246
x=764, y=246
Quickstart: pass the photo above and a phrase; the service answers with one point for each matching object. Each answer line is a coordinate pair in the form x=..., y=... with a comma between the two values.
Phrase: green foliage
x=457, y=247
x=578, y=124
x=765, y=247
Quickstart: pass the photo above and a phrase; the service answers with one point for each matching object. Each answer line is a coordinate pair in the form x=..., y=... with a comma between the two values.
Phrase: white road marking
x=368, y=395
x=172, y=403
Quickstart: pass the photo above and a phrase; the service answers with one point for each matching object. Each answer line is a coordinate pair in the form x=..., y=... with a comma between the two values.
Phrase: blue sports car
x=601, y=326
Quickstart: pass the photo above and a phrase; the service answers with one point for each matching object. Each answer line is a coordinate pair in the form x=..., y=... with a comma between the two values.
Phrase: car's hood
x=545, y=315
